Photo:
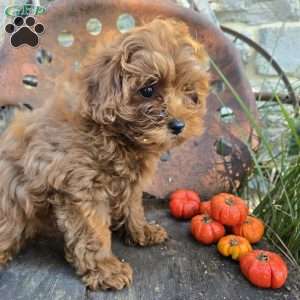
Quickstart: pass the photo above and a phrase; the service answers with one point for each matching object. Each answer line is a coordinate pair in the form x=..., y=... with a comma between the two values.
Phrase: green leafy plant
x=273, y=187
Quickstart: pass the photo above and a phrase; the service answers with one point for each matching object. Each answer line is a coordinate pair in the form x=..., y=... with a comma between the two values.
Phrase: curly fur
x=79, y=164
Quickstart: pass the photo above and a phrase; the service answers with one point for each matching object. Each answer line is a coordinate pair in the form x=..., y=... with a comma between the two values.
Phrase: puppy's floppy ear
x=102, y=81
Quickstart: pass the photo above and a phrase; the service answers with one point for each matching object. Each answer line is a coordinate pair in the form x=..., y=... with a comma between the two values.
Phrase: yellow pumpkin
x=234, y=246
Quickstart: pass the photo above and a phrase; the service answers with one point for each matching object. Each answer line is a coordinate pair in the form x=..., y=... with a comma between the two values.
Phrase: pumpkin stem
x=206, y=219
x=262, y=257
x=233, y=242
x=229, y=201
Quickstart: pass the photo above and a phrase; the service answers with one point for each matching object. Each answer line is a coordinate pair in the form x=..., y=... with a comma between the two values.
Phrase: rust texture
x=215, y=162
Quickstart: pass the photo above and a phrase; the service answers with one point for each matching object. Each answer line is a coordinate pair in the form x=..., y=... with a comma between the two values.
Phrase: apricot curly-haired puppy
x=83, y=160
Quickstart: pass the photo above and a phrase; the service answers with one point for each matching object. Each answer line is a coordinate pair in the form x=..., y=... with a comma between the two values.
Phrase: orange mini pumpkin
x=205, y=208
x=206, y=230
x=234, y=246
x=264, y=269
x=252, y=229
x=184, y=204
x=228, y=209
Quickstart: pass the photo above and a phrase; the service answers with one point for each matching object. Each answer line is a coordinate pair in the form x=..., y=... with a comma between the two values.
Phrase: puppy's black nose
x=176, y=126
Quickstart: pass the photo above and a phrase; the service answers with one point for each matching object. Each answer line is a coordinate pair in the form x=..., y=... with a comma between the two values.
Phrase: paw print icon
x=25, y=31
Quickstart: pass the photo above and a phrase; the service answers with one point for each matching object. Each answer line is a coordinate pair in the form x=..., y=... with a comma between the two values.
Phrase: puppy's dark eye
x=147, y=91
x=194, y=97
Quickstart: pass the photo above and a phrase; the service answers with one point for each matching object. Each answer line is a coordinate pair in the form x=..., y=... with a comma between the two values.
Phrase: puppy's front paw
x=155, y=234
x=111, y=274
x=152, y=234
x=4, y=259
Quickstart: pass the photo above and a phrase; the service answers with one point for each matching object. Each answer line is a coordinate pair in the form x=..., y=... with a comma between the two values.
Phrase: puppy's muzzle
x=176, y=126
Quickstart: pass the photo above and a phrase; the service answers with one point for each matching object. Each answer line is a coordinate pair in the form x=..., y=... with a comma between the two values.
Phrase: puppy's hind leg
x=15, y=226
x=11, y=235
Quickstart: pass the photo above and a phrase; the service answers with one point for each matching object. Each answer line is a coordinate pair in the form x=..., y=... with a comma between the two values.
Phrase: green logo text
x=24, y=10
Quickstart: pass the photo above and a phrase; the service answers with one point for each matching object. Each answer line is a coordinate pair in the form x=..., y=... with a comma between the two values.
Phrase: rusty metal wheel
x=291, y=97
x=215, y=162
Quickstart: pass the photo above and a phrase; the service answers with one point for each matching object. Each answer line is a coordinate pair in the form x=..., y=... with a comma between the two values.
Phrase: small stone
x=288, y=288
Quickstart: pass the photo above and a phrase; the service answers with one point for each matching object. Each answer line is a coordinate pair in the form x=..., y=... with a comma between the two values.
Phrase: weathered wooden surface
x=179, y=270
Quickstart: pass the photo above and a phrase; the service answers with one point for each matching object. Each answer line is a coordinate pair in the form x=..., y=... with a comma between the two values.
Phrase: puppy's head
x=149, y=86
